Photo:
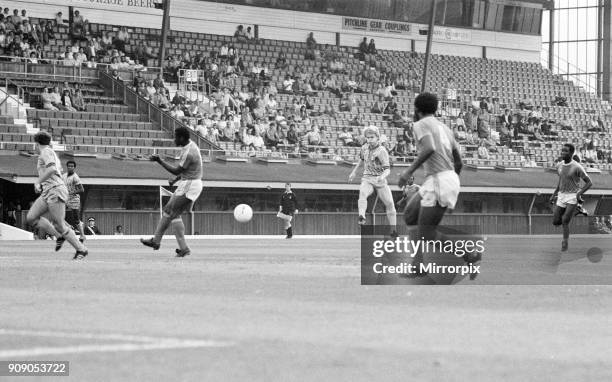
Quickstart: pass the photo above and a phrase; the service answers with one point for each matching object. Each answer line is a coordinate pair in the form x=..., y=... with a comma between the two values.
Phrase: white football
x=243, y=213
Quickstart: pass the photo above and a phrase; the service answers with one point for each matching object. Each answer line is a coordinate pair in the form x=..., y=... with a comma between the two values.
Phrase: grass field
x=280, y=310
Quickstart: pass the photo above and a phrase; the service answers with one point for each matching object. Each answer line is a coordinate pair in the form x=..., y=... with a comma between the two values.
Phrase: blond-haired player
x=377, y=168
x=53, y=196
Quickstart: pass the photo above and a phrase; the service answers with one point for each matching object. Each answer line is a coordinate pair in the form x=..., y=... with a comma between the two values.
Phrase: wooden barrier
x=314, y=223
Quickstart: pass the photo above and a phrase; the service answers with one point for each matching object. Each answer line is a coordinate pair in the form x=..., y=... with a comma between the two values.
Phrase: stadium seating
x=505, y=81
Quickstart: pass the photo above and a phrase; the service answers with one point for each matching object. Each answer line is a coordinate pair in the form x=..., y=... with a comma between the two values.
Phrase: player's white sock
x=362, y=205
x=71, y=237
x=179, y=233
x=392, y=218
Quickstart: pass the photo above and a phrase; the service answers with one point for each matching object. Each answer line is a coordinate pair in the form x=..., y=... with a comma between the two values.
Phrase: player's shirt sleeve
x=295, y=202
x=383, y=157
x=420, y=131
x=185, y=158
x=76, y=181
x=580, y=171
x=47, y=159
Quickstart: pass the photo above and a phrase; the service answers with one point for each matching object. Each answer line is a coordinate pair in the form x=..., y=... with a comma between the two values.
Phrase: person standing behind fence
x=287, y=209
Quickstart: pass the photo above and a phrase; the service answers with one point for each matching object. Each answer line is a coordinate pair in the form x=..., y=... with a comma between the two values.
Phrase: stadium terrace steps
x=116, y=141
x=79, y=123
x=120, y=149
x=119, y=133
x=91, y=116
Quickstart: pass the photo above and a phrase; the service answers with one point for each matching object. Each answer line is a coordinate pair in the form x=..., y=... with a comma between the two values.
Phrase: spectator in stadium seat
x=311, y=47
x=67, y=101
x=313, y=137
x=526, y=103
x=483, y=151
x=107, y=41
x=59, y=22
x=16, y=19
x=484, y=105
x=78, y=102
x=240, y=34
x=48, y=100
x=281, y=61
x=471, y=137
x=122, y=39
x=33, y=59
x=460, y=133
x=345, y=137
x=391, y=107
x=548, y=128
x=363, y=49
x=536, y=114
x=70, y=60
x=593, y=125
x=400, y=82
x=80, y=27
x=378, y=106
x=506, y=118
x=560, y=100
x=537, y=134
x=401, y=148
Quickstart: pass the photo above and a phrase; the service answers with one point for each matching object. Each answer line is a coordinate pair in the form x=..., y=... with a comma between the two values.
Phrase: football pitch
x=263, y=309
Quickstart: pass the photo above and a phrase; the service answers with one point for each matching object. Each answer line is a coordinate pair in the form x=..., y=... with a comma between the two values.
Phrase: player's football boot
x=183, y=252
x=564, y=245
x=58, y=243
x=80, y=255
x=362, y=220
x=473, y=259
x=150, y=243
x=580, y=210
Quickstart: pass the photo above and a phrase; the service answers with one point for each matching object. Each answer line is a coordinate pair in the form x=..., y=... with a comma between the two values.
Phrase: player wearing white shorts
x=189, y=188
x=377, y=168
x=438, y=153
x=568, y=192
x=53, y=196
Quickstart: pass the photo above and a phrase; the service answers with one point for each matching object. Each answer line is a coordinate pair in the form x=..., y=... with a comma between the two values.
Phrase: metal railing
x=6, y=96
x=140, y=105
x=56, y=69
x=575, y=70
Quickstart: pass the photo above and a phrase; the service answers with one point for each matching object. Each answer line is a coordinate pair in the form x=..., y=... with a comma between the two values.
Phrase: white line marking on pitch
x=145, y=343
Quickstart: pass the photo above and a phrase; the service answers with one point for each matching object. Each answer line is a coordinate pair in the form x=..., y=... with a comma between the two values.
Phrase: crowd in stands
x=252, y=115
x=23, y=40
x=66, y=99
x=488, y=125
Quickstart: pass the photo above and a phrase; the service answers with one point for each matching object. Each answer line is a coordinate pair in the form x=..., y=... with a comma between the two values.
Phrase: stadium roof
x=21, y=169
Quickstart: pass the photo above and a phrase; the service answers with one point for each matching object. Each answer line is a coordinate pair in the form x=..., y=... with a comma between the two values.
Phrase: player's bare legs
x=412, y=209
x=365, y=190
x=563, y=217
x=385, y=195
x=179, y=233
x=57, y=226
x=35, y=218
x=57, y=212
x=171, y=215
